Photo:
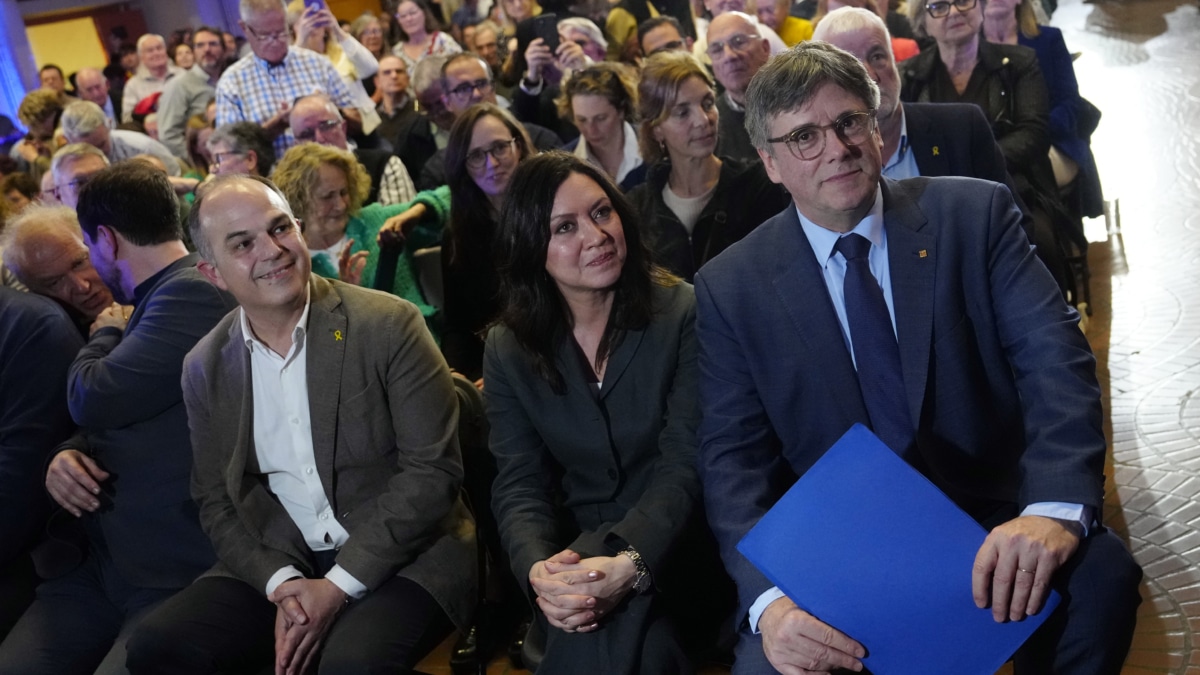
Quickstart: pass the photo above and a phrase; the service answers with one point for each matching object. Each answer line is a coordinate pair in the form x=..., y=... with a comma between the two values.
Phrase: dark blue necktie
x=876, y=354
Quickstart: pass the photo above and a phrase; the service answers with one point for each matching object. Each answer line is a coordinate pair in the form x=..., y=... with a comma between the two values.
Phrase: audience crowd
x=327, y=336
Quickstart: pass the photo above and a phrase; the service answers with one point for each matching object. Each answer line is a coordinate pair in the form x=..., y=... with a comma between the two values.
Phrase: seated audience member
x=419, y=34
x=39, y=113
x=241, y=148
x=911, y=131
x=486, y=44
x=318, y=30
x=421, y=136
x=1004, y=418
x=19, y=190
x=624, y=22
x=183, y=56
x=1013, y=22
x=467, y=15
x=377, y=568
x=37, y=345
x=261, y=86
x=369, y=32
x=736, y=53
x=84, y=122
x=190, y=93
x=775, y=13
x=315, y=118
x=196, y=137
x=93, y=86
x=154, y=71
x=396, y=104
x=693, y=204
x=663, y=34
x=1008, y=87
x=486, y=145
x=43, y=249
x=123, y=479
x=327, y=190
x=580, y=44
x=467, y=81
x=719, y=7
x=904, y=44
x=583, y=310
x=52, y=79
x=601, y=100
x=72, y=167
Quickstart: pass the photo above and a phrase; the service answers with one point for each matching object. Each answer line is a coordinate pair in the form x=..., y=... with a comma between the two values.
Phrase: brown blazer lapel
x=325, y=343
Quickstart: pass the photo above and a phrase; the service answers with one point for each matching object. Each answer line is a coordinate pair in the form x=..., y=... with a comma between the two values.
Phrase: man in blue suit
x=978, y=375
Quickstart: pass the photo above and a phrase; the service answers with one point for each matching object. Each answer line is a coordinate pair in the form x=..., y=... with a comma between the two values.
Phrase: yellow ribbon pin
x=337, y=335
x=935, y=151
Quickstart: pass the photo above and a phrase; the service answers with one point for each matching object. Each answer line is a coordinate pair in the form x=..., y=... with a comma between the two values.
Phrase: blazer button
x=612, y=474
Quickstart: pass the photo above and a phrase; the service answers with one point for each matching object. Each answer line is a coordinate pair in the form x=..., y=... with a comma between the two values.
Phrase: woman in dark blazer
x=1006, y=83
x=694, y=204
x=591, y=395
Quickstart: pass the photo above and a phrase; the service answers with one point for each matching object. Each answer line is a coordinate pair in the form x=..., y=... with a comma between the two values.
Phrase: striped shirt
x=252, y=90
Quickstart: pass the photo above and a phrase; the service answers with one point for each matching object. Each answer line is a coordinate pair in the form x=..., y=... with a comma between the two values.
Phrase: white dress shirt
x=283, y=445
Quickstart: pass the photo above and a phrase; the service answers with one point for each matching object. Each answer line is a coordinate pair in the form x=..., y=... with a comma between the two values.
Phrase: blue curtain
x=18, y=73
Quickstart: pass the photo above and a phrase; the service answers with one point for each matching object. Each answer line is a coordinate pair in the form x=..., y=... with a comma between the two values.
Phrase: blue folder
x=868, y=545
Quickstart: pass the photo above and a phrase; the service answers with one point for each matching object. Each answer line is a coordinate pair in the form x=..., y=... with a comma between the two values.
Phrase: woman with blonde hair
x=326, y=187
x=694, y=204
x=601, y=101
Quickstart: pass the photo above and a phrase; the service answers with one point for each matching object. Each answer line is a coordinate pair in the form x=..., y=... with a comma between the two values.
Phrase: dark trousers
x=78, y=623
x=223, y=625
x=1088, y=634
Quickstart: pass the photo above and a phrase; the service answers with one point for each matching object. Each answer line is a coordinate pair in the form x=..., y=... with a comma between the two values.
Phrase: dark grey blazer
x=595, y=473
x=384, y=425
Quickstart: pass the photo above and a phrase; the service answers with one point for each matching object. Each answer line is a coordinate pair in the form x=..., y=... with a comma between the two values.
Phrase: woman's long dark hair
x=533, y=308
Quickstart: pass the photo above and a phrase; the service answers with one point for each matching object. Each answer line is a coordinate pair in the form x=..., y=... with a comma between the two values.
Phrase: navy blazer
x=999, y=380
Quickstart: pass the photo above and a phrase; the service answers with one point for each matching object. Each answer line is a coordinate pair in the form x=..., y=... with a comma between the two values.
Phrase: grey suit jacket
x=384, y=426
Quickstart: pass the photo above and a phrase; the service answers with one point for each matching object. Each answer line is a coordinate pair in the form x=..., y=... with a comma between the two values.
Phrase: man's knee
x=1105, y=577
x=156, y=644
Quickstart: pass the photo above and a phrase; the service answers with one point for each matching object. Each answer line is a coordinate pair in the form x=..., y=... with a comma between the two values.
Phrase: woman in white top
x=419, y=36
x=601, y=100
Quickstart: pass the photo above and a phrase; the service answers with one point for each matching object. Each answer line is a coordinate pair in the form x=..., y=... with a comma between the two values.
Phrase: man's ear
x=252, y=160
x=211, y=273
x=105, y=241
x=768, y=161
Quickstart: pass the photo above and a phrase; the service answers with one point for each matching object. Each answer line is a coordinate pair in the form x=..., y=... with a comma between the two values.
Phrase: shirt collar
x=823, y=240
x=902, y=148
x=265, y=65
x=631, y=156
x=252, y=341
x=733, y=105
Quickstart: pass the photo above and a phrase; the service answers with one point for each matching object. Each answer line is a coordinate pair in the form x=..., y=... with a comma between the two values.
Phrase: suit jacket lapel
x=927, y=143
x=620, y=360
x=912, y=257
x=800, y=287
x=325, y=347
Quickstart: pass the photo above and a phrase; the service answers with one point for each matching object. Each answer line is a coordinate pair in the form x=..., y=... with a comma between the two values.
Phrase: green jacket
x=364, y=228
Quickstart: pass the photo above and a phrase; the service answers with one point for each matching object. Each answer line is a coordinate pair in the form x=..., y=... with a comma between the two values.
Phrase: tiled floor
x=1140, y=64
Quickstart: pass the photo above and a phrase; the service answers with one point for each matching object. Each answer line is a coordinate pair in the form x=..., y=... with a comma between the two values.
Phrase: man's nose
x=80, y=282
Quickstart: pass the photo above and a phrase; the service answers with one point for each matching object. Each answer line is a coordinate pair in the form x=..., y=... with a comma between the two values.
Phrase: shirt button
x=295, y=420
x=325, y=516
x=308, y=471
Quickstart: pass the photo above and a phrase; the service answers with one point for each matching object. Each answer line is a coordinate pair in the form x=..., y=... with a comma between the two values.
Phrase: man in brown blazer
x=326, y=467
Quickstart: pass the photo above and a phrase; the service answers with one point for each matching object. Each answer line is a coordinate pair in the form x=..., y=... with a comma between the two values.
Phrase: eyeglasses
x=808, y=142
x=321, y=128
x=673, y=45
x=477, y=158
x=942, y=8
x=279, y=36
x=737, y=43
x=75, y=185
x=221, y=158
x=465, y=90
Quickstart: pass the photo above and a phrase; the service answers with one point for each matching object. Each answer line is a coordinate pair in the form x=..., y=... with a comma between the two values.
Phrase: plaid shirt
x=251, y=89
